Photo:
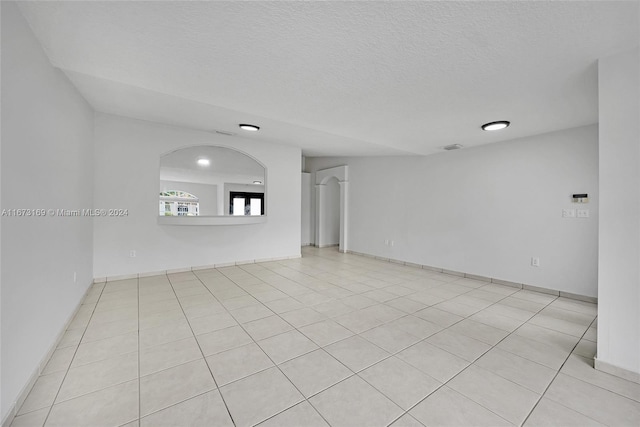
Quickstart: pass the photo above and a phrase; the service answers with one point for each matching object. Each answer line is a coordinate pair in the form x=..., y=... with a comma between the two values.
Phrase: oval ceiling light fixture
x=250, y=128
x=204, y=162
x=257, y=182
x=496, y=125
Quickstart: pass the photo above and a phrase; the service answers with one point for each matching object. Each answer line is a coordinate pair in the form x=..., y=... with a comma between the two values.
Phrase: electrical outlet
x=583, y=213
x=391, y=242
x=132, y=254
x=568, y=213
x=386, y=242
x=535, y=262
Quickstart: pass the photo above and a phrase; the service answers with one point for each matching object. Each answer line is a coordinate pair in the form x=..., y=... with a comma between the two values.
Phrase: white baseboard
x=555, y=292
x=193, y=268
x=22, y=396
x=616, y=371
x=36, y=373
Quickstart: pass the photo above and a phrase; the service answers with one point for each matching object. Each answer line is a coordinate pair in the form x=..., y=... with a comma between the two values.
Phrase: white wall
x=127, y=161
x=484, y=210
x=307, y=229
x=207, y=194
x=47, y=131
x=619, y=257
x=3, y=411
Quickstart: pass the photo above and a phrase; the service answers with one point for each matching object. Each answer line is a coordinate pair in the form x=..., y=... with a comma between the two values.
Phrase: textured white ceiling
x=341, y=78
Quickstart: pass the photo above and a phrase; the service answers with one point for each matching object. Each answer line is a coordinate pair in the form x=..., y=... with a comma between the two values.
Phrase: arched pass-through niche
x=230, y=186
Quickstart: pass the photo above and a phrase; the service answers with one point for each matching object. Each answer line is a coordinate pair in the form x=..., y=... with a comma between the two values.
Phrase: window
x=246, y=203
x=178, y=203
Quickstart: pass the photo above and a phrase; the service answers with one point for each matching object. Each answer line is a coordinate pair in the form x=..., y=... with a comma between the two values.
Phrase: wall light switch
x=583, y=213
x=568, y=213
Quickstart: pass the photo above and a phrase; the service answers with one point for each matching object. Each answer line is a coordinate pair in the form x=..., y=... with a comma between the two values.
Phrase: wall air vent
x=223, y=132
x=452, y=147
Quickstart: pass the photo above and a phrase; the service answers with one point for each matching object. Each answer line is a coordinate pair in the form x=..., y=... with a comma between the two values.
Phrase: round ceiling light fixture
x=496, y=125
x=204, y=162
x=250, y=128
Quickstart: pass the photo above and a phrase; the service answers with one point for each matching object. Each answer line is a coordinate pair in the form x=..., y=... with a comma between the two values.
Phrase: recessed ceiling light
x=204, y=162
x=257, y=182
x=250, y=128
x=496, y=125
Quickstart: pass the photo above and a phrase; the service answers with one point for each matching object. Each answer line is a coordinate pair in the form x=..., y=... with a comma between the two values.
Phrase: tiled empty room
x=354, y=214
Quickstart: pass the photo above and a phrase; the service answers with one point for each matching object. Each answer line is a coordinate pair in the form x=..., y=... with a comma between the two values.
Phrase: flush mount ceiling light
x=204, y=162
x=257, y=182
x=496, y=125
x=250, y=128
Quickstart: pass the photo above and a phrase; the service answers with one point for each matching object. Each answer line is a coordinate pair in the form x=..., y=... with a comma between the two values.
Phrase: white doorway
x=331, y=213
x=331, y=207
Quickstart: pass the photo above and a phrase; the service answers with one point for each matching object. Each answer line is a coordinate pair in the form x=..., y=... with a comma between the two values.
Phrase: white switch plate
x=535, y=262
x=583, y=213
x=568, y=213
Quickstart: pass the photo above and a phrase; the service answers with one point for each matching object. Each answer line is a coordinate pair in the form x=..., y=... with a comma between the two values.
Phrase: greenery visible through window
x=179, y=203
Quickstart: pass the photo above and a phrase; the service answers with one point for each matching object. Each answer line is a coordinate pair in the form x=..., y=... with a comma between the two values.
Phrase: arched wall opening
x=331, y=214
x=332, y=207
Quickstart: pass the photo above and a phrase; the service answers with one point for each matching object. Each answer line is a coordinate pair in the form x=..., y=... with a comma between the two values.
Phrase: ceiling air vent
x=452, y=147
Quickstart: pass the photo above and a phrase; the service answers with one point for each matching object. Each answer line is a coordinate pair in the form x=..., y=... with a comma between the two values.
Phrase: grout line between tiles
x=477, y=358
x=556, y=375
x=298, y=273
x=74, y=356
x=319, y=347
x=204, y=358
x=392, y=354
x=269, y=357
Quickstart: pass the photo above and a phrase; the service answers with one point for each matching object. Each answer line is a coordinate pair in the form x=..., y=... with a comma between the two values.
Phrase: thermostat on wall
x=580, y=198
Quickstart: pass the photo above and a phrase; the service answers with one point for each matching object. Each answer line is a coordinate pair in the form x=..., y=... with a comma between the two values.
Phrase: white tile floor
x=329, y=339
